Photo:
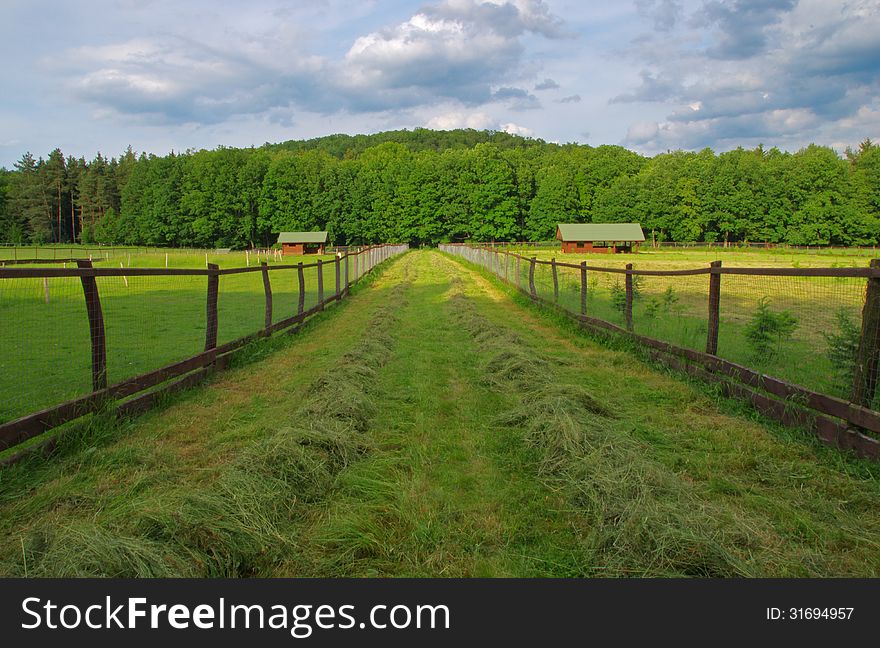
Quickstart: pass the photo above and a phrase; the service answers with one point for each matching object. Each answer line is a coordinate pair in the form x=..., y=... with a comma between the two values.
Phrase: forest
x=425, y=187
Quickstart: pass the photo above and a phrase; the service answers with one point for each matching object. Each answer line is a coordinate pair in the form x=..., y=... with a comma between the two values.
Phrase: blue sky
x=651, y=75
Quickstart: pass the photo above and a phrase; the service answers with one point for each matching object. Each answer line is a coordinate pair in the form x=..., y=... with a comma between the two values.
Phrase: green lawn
x=433, y=426
x=675, y=309
x=149, y=321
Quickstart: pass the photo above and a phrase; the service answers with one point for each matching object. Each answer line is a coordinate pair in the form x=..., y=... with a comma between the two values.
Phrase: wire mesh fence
x=803, y=329
x=45, y=340
x=808, y=327
x=67, y=332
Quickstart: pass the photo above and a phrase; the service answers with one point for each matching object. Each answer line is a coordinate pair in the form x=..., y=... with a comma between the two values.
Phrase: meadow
x=154, y=321
x=150, y=321
x=674, y=309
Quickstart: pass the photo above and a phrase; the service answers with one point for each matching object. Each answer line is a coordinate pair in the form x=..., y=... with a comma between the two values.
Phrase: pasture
x=150, y=321
x=673, y=309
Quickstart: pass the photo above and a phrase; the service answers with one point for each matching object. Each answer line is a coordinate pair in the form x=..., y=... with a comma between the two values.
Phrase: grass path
x=447, y=495
x=433, y=426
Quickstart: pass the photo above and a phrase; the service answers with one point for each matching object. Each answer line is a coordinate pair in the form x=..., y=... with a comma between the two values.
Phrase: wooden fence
x=348, y=269
x=850, y=424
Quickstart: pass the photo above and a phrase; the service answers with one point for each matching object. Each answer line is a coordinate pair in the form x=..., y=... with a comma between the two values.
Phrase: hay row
x=642, y=520
x=238, y=524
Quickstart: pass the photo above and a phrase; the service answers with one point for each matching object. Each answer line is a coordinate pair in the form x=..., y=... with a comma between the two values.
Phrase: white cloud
x=642, y=132
x=777, y=72
x=516, y=129
x=460, y=119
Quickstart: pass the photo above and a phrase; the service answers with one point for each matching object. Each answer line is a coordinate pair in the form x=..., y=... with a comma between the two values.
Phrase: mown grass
x=441, y=428
x=445, y=494
x=672, y=483
x=228, y=517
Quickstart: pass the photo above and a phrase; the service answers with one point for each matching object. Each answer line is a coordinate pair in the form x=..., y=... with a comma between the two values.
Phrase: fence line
x=697, y=245
x=214, y=357
x=859, y=418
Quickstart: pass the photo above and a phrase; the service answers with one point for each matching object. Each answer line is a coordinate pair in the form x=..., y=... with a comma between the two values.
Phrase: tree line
x=425, y=187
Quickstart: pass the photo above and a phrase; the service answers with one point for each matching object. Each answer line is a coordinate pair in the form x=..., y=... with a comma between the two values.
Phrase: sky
x=650, y=75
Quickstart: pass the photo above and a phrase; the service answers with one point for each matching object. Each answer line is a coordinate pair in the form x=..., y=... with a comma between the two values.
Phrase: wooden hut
x=302, y=242
x=609, y=238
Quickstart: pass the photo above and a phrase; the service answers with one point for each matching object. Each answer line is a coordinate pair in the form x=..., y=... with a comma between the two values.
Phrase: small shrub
x=618, y=296
x=670, y=299
x=637, y=281
x=843, y=347
x=652, y=309
x=768, y=330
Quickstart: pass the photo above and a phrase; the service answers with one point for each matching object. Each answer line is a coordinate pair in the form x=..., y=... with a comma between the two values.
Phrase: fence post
x=96, y=328
x=868, y=356
x=267, y=288
x=714, y=310
x=320, y=284
x=583, y=287
x=336, y=262
x=347, y=282
x=507, y=266
x=628, y=310
x=555, y=280
x=532, y=290
x=211, y=311
x=301, y=303
x=518, y=278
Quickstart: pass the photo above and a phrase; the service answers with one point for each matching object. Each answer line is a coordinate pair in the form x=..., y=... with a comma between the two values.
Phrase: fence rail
x=849, y=419
x=344, y=271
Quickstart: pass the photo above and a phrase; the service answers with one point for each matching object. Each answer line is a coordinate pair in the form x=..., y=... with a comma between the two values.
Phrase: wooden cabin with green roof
x=607, y=238
x=302, y=242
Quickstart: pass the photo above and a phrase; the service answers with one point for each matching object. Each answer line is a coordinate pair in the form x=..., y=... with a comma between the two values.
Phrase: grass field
x=153, y=321
x=437, y=425
x=149, y=321
x=674, y=309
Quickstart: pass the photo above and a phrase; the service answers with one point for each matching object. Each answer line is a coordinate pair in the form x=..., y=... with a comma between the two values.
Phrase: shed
x=302, y=242
x=599, y=237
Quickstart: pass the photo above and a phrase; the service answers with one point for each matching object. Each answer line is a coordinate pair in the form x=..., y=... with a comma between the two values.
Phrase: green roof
x=302, y=237
x=600, y=232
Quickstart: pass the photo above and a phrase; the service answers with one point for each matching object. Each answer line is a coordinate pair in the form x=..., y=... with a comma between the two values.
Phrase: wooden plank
x=555, y=280
x=267, y=290
x=31, y=273
x=714, y=310
x=802, y=272
x=26, y=427
x=651, y=273
x=769, y=272
x=15, y=432
x=336, y=263
x=347, y=282
x=861, y=416
x=143, y=402
x=628, y=306
x=832, y=432
x=868, y=355
x=96, y=328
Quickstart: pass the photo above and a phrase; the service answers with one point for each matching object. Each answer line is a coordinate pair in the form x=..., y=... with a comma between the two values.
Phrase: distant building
x=302, y=242
x=599, y=237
